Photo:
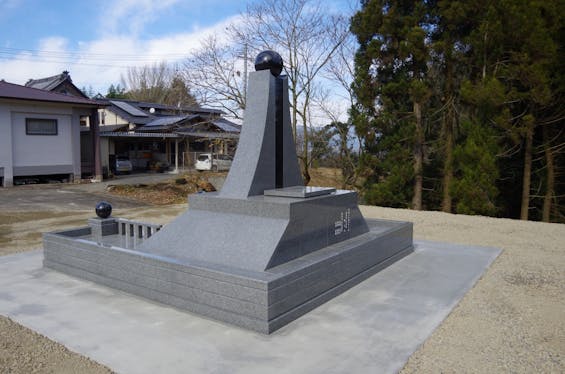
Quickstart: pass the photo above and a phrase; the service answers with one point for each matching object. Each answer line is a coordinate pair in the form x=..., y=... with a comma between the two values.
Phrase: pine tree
x=453, y=21
x=522, y=62
x=391, y=88
x=116, y=92
x=469, y=95
x=475, y=168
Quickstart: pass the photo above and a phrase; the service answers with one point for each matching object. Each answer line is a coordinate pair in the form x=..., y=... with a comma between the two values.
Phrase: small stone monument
x=258, y=254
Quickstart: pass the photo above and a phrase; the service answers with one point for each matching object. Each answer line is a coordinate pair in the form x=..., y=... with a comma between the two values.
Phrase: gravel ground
x=511, y=321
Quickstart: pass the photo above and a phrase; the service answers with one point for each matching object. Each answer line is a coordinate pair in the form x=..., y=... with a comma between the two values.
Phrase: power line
x=70, y=62
x=16, y=51
x=121, y=61
x=86, y=59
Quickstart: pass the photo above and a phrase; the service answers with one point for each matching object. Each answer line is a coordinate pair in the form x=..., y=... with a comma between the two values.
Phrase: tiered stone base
x=261, y=301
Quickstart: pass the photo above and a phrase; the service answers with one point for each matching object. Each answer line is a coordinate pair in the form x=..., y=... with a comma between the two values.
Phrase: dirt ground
x=511, y=321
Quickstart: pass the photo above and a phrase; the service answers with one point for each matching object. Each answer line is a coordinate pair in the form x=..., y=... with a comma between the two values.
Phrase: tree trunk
x=294, y=113
x=448, y=132
x=446, y=205
x=550, y=177
x=346, y=164
x=448, y=163
x=526, y=180
x=305, y=158
x=418, y=159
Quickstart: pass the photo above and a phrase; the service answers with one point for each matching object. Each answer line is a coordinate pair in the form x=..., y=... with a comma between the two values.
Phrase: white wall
x=105, y=151
x=111, y=118
x=6, y=144
x=39, y=150
x=39, y=154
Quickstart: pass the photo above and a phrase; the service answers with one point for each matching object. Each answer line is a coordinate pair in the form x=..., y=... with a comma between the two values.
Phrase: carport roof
x=162, y=135
x=134, y=134
x=18, y=92
x=163, y=123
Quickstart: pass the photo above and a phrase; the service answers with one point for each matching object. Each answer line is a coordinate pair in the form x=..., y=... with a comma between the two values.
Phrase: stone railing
x=120, y=231
x=136, y=230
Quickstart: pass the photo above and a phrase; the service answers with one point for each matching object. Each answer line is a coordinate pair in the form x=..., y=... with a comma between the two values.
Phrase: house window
x=41, y=126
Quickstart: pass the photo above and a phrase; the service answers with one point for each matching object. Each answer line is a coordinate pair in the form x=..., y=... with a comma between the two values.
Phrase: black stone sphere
x=269, y=60
x=103, y=209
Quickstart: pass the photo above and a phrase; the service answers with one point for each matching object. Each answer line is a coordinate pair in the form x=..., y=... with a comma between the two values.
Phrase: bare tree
x=340, y=70
x=157, y=83
x=215, y=73
x=307, y=37
x=147, y=83
x=342, y=137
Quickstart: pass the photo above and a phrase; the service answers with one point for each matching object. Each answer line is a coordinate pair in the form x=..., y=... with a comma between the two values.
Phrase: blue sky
x=97, y=39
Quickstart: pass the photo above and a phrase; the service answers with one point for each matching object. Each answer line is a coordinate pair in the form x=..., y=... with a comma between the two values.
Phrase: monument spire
x=266, y=156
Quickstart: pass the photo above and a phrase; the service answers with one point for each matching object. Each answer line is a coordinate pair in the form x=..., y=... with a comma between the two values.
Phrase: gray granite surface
x=254, y=166
x=258, y=232
x=300, y=191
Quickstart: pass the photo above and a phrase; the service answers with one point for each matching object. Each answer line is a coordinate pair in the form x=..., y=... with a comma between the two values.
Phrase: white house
x=146, y=132
x=40, y=133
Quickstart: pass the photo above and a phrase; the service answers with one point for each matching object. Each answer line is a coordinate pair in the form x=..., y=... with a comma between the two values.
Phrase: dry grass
x=177, y=190
x=325, y=177
x=165, y=193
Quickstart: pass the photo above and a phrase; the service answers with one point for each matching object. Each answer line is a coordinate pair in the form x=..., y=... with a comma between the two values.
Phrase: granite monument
x=258, y=254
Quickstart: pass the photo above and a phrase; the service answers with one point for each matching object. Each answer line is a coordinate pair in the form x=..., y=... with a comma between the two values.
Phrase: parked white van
x=214, y=162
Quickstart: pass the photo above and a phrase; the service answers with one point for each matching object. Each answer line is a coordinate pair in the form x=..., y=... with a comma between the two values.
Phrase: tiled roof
x=16, y=91
x=226, y=125
x=53, y=83
x=168, y=120
x=205, y=110
x=195, y=109
x=110, y=128
x=137, y=120
x=48, y=83
x=130, y=109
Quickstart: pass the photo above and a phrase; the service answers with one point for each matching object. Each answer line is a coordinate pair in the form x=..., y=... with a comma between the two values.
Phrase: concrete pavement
x=71, y=197
x=372, y=328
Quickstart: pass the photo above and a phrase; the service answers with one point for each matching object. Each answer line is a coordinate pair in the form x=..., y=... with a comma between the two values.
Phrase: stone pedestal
x=102, y=227
x=262, y=301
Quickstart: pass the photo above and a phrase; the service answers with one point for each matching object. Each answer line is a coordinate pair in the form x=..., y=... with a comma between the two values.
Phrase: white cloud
x=24, y=66
x=99, y=63
x=53, y=43
x=131, y=16
x=186, y=42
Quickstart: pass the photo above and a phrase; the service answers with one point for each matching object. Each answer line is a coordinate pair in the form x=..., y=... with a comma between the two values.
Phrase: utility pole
x=245, y=73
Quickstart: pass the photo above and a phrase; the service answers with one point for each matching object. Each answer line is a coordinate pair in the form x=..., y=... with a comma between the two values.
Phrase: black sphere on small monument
x=103, y=209
x=269, y=60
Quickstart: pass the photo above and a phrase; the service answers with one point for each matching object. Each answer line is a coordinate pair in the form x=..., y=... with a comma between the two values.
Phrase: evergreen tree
x=179, y=95
x=452, y=22
x=513, y=59
x=484, y=82
x=391, y=88
x=474, y=187
x=88, y=92
x=116, y=92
